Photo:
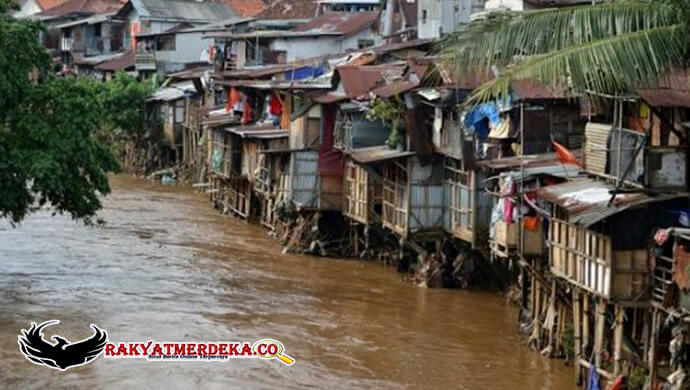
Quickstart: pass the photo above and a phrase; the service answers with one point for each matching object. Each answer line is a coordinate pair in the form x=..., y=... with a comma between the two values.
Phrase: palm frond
x=618, y=64
x=500, y=37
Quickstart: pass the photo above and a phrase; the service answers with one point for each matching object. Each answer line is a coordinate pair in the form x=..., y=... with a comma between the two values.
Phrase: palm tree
x=606, y=48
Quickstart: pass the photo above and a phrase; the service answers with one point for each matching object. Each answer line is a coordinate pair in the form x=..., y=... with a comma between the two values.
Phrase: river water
x=166, y=266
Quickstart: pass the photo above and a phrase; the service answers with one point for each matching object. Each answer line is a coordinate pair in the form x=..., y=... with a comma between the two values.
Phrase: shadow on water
x=167, y=267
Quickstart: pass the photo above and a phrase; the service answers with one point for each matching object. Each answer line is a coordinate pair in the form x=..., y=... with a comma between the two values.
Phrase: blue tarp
x=305, y=72
x=474, y=118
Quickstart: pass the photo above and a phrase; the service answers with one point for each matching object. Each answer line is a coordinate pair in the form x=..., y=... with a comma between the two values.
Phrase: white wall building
x=439, y=17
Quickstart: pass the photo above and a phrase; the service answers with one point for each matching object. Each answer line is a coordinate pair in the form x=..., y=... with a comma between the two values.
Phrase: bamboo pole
x=599, y=331
x=577, y=333
x=585, y=324
x=552, y=308
x=652, y=348
x=618, y=340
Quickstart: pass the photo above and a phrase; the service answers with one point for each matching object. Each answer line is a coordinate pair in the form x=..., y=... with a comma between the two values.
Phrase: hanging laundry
x=246, y=113
x=593, y=378
x=531, y=223
x=501, y=130
x=238, y=107
x=205, y=56
x=276, y=106
x=211, y=53
x=508, y=204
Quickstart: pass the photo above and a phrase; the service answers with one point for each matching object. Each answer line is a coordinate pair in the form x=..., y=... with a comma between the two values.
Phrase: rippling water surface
x=167, y=267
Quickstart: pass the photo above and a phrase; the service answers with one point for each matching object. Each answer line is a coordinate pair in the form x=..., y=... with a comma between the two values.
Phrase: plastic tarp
x=305, y=72
x=474, y=120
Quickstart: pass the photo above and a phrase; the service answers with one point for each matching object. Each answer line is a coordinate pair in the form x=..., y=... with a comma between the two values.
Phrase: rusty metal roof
x=396, y=87
x=124, y=62
x=288, y=9
x=530, y=89
x=672, y=90
x=532, y=160
x=82, y=6
x=340, y=23
x=666, y=97
x=359, y=80
x=586, y=200
x=376, y=154
x=391, y=47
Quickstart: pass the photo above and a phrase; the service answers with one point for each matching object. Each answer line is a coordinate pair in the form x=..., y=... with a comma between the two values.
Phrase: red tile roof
x=48, y=4
x=84, y=6
x=289, y=9
x=246, y=8
x=342, y=23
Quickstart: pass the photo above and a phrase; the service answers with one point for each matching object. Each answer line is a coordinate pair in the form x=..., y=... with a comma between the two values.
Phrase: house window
x=364, y=43
x=165, y=43
x=423, y=16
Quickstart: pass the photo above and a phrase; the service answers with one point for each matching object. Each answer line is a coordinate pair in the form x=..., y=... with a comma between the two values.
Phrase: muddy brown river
x=168, y=267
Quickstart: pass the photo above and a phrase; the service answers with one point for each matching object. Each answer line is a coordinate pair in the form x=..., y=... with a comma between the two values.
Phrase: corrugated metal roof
x=340, y=23
x=531, y=160
x=191, y=73
x=672, y=90
x=533, y=89
x=124, y=62
x=98, y=18
x=359, y=80
x=172, y=92
x=565, y=171
x=666, y=97
x=586, y=200
x=183, y=10
x=83, y=7
x=289, y=9
x=396, y=87
x=377, y=153
x=387, y=48
x=261, y=131
x=276, y=84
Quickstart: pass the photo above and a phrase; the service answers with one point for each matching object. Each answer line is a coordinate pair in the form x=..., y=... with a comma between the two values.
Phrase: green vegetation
x=58, y=136
x=609, y=48
x=389, y=112
x=48, y=151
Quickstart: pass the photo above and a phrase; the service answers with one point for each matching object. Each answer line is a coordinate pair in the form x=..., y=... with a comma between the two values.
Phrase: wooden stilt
x=559, y=328
x=577, y=332
x=585, y=325
x=537, y=315
x=618, y=340
x=552, y=308
x=523, y=288
x=652, y=348
x=599, y=331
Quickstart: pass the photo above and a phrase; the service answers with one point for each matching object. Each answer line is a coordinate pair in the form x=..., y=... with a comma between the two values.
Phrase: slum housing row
x=545, y=183
x=341, y=134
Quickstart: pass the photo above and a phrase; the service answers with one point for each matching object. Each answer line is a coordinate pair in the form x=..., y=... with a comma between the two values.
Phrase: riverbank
x=167, y=266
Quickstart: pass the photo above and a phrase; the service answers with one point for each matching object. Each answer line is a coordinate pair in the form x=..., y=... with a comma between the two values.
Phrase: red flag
x=564, y=155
